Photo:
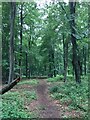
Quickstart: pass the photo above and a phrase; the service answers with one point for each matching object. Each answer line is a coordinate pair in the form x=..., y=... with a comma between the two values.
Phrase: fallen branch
x=38, y=77
x=9, y=86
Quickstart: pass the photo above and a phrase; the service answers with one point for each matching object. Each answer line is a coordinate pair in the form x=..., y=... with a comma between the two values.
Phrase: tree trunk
x=89, y=39
x=74, y=44
x=29, y=64
x=11, y=50
x=26, y=65
x=65, y=57
x=21, y=27
x=50, y=65
x=30, y=69
x=80, y=62
x=53, y=64
x=89, y=55
x=84, y=59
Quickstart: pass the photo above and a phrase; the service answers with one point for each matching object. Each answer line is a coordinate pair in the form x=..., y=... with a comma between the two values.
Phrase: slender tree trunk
x=74, y=44
x=81, y=71
x=89, y=38
x=84, y=59
x=29, y=64
x=65, y=57
x=16, y=59
x=80, y=63
x=45, y=69
x=53, y=64
x=11, y=49
x=26, y=65
x=30, y=69
x=50, y=65
x=21, y=27
x=89, y=55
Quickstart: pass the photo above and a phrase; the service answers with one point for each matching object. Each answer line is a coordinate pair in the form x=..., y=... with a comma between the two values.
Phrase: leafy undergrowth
x=13, y=104
x=71, y=94
x=60, y=78
x=55, y=79
x=29, y=82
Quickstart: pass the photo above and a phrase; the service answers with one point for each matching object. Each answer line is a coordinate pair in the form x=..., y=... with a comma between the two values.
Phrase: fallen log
x=38, y=77
x=9, y=86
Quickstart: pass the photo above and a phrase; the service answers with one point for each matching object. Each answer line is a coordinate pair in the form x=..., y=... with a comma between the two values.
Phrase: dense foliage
x=49, y=40
x=42, y=44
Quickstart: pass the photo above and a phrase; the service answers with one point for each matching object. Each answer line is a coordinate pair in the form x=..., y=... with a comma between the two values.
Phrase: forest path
x=47, y=108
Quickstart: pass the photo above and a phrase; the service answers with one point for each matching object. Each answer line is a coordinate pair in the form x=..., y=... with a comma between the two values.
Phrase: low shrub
x=13, y=105
x=30, y=95
x=30, y=82
x=55, y=79
x=70, y=77
x=54, y=89
x=73, y=93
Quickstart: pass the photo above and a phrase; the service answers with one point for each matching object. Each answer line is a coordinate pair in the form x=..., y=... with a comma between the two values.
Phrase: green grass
x=73, y=94
x=13, y=104
x=29, y=82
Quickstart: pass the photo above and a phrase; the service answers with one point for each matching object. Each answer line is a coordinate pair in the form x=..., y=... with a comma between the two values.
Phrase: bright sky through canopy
x=41, y=2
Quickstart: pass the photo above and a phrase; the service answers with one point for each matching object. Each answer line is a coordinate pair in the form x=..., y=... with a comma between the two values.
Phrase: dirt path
x=47, y=108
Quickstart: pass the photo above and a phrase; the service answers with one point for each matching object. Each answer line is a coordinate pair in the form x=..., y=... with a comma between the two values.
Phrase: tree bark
x=74, y=43
x=65, y=57
x=29, y=64
x=84, y=59
x=89, y=55
x=26, y=65
x=50, y=74
x=9, y=86
x=89, y=38
x=53, y=64
x=21, y=27
x=11, y=49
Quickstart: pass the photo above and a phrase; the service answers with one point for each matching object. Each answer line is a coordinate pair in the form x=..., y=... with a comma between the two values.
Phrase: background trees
x=50, y=40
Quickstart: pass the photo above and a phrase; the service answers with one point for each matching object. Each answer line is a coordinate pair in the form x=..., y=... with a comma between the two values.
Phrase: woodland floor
x=45, y=106
x=51, y=108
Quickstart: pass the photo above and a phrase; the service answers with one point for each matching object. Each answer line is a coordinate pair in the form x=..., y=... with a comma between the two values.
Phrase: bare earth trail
x=47, y=107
